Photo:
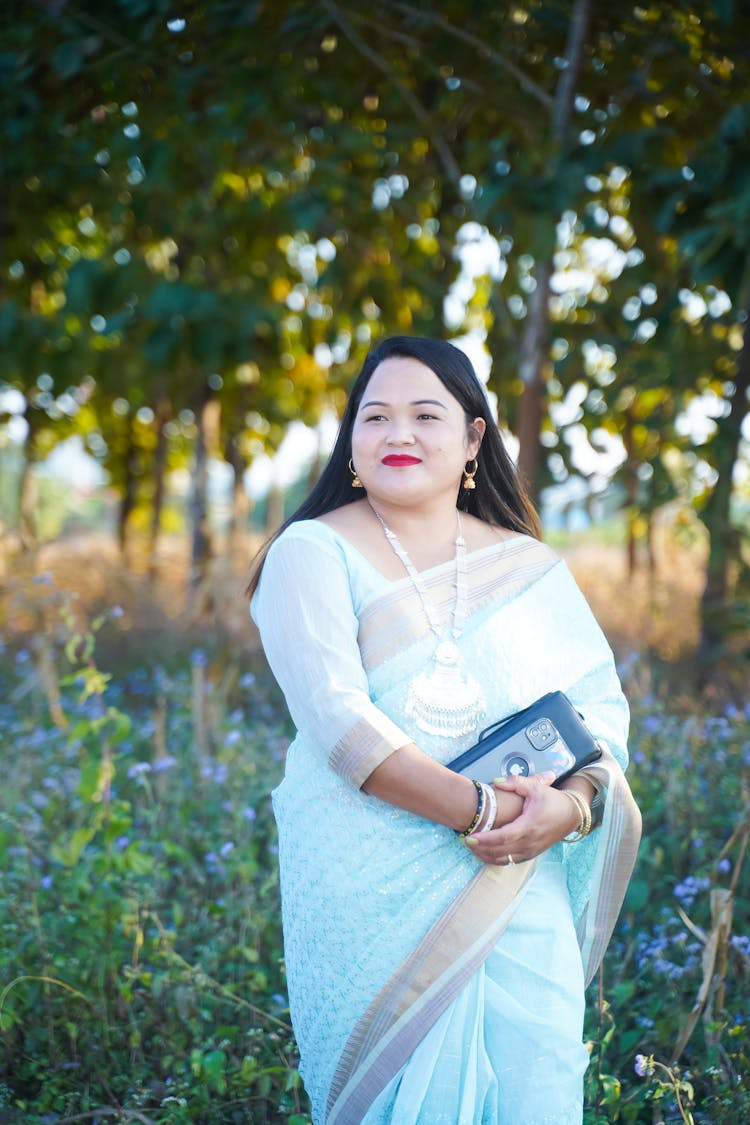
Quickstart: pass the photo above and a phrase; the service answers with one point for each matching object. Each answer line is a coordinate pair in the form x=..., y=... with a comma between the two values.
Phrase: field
x=141, y=966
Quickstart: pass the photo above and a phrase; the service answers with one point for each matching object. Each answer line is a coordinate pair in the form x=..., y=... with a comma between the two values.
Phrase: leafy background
x=209, y=214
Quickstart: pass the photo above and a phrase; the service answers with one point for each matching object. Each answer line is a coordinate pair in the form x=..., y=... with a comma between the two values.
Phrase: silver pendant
x=445, y=701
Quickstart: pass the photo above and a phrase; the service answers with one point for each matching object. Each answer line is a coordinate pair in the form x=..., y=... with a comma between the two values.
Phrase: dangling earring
x=356, y=482
x=469, y=476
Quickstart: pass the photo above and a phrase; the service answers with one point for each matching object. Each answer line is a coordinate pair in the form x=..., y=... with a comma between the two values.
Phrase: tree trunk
x=651, y=546
x=163, y=415
x=27, y=494
x=531, y=365
x=129, y=487
x=240, y=498
x=205, y=445
x=274, y=509
x=630, y=481
x=724, y=542
x=533, y=349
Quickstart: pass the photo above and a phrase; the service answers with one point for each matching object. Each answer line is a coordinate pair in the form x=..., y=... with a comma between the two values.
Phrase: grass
x=141, y=963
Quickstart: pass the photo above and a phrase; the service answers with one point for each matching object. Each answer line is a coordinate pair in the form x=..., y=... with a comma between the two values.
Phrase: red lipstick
x=397, y=459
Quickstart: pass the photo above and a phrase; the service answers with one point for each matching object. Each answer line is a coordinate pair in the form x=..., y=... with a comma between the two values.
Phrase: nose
x=400, y=433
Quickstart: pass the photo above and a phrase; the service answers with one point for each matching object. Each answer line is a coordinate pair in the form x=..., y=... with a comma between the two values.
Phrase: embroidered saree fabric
x=390, y=923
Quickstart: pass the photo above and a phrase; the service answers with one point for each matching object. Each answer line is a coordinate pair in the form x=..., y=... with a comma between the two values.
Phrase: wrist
x=582, y=824
x=580, y=785
x=509, y=806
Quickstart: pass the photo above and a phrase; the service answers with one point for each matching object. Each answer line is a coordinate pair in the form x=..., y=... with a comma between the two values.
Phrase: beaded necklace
x=444, y=700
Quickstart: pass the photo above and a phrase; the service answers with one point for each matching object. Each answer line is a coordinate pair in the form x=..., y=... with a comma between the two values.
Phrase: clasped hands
x=539, y=817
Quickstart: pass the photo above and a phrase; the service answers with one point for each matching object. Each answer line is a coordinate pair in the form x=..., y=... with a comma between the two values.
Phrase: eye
x=427, y=417
x=374, y=418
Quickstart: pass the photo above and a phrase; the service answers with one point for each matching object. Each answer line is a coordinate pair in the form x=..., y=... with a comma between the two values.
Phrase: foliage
x=676, y=980
x=222, y=208
x=141, y=951
x=141, y=970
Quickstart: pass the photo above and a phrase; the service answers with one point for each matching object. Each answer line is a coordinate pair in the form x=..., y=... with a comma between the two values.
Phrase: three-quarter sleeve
x=304, y=612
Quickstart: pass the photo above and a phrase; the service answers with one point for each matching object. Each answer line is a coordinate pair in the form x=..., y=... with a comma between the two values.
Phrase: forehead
x=402, y=378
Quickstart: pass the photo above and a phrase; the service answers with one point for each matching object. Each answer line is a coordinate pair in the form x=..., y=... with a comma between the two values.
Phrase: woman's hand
x=547, y=815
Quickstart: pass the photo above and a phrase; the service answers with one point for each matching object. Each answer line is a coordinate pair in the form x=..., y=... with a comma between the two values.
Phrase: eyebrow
x=417, y=402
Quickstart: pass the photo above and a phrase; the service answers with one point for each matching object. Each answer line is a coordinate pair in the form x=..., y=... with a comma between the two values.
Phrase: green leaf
x=66, y=59
x=214, y=1067
x=70, y=853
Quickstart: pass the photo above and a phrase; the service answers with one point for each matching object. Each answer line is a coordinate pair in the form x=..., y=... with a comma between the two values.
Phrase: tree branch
x=414, y=43
x=526, y=83
x=565, y=92
x=452, y=171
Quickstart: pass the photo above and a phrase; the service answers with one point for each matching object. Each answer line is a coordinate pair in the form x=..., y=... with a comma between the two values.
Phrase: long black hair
x=499, y=496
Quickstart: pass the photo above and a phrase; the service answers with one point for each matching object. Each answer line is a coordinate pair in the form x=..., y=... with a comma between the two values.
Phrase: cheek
x=361, y=439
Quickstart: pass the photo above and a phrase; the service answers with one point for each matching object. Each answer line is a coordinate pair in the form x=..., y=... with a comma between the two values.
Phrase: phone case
x=548, y=735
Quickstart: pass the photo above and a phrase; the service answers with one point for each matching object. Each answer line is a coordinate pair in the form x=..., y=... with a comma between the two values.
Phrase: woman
x=432, y=926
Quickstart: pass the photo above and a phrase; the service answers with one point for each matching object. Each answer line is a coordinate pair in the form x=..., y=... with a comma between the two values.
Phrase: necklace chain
x=442, y=699
x=459, y=607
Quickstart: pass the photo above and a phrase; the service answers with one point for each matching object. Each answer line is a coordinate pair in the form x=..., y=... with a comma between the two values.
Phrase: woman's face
x=410, y=439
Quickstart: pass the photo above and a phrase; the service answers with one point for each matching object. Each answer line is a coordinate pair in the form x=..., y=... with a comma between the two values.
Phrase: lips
x=399, y=459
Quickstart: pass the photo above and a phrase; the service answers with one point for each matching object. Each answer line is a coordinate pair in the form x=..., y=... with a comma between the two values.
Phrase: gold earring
x=356, y=482
x=469, y=475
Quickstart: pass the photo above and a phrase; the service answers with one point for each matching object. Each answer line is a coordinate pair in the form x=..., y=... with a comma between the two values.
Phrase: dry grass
x=657, y=615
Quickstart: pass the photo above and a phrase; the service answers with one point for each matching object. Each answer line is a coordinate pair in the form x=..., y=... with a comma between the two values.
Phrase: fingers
x=524, y=786
x=498, y=857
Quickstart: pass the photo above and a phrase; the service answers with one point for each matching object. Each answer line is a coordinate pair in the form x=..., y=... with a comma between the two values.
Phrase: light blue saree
x=425, y=987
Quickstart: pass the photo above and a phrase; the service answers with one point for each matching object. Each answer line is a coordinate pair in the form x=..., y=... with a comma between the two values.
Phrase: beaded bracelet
x=584, y=826
x=478, y=814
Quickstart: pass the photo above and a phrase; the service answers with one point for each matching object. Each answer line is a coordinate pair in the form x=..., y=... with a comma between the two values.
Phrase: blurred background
x=209, y=213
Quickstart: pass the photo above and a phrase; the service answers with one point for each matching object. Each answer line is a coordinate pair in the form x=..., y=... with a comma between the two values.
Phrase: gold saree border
x=422, y=988
x=396, y=619
x=364, y=746
x=460, y=941
x=618, y=840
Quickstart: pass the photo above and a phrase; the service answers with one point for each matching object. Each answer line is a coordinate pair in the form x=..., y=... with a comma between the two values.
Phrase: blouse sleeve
x=303, y=610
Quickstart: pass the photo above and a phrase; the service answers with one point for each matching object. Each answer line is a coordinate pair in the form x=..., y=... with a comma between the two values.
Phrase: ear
x=474, y=437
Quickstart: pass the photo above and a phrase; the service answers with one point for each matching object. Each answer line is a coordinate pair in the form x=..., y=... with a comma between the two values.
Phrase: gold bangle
x=584, y=826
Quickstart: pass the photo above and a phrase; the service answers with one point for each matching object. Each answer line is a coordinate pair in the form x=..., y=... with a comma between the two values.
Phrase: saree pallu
x=399, y=945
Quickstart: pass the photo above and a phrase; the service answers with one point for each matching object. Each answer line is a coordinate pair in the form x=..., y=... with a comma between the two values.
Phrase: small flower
x=724, y=865
x=225, y=849
x=644, y=1065
x=164, y=764
x=198, y=658
x=138, y=769
x=688, y=890
x=249, y=814
x=117, y=611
